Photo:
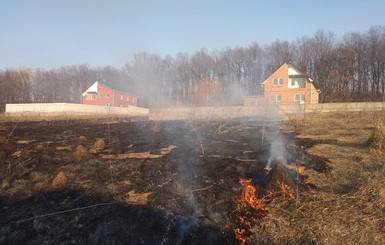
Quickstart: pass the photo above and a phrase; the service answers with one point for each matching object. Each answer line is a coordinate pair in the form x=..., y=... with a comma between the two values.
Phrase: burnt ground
x=174, y=182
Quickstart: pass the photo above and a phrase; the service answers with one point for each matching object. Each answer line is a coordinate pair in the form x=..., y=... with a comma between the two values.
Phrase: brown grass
x=348, y=205
x=377, y=140
x=79, y=153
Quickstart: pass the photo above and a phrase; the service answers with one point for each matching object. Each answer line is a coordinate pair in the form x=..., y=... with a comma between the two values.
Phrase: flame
x=249, y=209
x=300, y=170
x=297, y=168
x=286, y=191
x=249, y=197
x=239, y=235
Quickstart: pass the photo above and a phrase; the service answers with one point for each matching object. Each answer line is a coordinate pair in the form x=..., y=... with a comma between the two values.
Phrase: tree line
x=345, y=70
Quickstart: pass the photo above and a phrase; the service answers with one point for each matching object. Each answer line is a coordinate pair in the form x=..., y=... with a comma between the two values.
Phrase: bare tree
x=278, y=52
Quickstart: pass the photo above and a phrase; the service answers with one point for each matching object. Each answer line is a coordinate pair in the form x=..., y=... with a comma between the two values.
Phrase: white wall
x=187, y=113
x=74, y=108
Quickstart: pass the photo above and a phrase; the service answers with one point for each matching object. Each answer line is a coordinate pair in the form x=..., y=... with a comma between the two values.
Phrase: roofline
x=116, y=90
x=296, y=68
x=289, y=63
x=263, y=83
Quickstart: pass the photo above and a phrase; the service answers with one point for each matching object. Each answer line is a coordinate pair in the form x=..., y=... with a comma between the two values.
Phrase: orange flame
x=239, y=235
x=298, y=169
x=249, y=209
x=286, y=191
x=249, y=197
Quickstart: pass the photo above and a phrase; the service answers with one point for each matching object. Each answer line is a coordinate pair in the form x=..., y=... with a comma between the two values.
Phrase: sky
x=52, y=33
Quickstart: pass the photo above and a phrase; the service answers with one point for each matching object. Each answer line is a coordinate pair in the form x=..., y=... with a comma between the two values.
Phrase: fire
x=239, y=233
x=249, y=209
x=286, y=191
x=250, y=199
x=298, y=169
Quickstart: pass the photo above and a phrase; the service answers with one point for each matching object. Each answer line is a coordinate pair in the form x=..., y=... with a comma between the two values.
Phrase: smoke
x=277, y=142
x=234, y=94
x=277, y=149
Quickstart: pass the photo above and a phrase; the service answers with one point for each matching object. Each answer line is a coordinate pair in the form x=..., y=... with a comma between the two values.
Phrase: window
x=279, y=98
x=299, y=97
x=301, y=82
x=121, y=97
x=277, y=81
x=297, y=82
x=107, y=95
x=133, y=100
x=272, y=98
x=128, y=98
x=93, y=96
x=100, y=95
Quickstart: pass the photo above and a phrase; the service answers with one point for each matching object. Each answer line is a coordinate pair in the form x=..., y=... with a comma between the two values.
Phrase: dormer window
x=297, y=82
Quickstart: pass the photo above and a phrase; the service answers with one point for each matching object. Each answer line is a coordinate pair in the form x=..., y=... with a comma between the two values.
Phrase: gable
x=94, y=89
x=279, y=70
x=294, y=72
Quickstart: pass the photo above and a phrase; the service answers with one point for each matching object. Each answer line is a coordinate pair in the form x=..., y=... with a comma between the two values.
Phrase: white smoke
x=277, y=149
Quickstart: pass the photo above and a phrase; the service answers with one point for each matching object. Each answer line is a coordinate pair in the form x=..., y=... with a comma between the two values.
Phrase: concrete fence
x=70, y=109
x=213, y=113
x=332, y=107
x=273, y=112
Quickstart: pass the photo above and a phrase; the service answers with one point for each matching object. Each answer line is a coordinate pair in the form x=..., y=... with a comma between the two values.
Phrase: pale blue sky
x=53, y=33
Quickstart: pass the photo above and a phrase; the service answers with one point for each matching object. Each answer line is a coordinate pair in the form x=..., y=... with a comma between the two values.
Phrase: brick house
x=287, y=85
x=102, y=94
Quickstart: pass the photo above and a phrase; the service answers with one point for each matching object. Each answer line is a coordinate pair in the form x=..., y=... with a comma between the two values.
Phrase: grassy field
x=344, y=202
x=348, y=204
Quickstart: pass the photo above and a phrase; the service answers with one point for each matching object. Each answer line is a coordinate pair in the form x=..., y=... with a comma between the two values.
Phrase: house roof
x=295, y=71
x=94, y=88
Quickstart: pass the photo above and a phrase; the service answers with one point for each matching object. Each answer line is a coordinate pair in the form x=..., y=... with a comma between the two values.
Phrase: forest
x=346, y=69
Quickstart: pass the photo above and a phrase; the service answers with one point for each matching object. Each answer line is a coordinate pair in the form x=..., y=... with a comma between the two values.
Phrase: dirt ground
x=115, y=181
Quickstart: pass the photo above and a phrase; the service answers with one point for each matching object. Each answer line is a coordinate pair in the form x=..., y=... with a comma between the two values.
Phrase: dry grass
x=348, y=207
x=377, y=140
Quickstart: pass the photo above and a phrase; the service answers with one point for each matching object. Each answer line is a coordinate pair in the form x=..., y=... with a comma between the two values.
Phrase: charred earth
x=121, y=182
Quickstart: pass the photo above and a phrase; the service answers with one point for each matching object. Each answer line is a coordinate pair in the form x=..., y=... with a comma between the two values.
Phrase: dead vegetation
x=192, y=170
x=377, y=140
x=347, y=207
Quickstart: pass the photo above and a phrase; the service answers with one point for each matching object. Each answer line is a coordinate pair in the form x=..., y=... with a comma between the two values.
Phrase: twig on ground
x=194, y=129
x=21, y=163
x=202, y=189
x=62, y=212
x=9, y=136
